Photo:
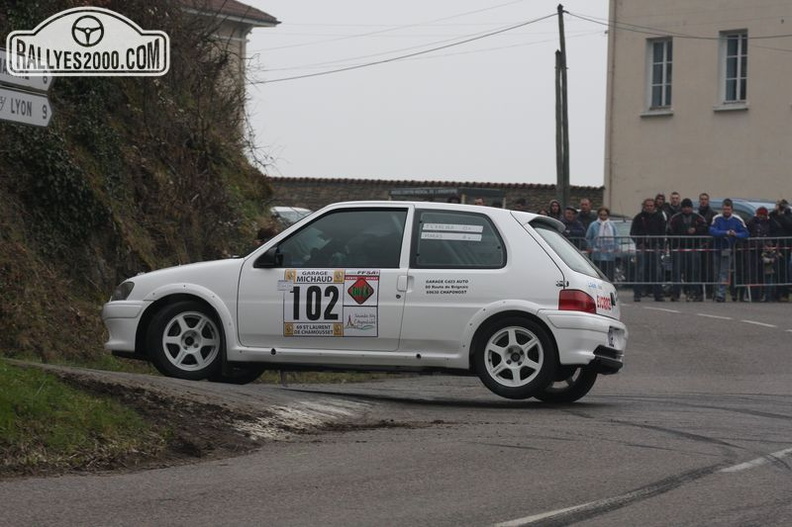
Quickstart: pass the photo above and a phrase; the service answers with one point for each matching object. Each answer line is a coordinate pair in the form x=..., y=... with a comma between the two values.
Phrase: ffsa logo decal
x=88, y=41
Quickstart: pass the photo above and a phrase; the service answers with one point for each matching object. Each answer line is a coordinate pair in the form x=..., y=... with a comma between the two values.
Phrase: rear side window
x=456, y=240
x=566, y=251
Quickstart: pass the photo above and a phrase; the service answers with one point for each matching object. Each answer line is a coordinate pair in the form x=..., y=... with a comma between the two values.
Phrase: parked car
x=385, y=285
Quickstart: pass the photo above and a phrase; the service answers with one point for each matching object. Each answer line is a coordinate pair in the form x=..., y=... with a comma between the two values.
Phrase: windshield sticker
x=456, y=227
x=456, y=236
x=330, y=303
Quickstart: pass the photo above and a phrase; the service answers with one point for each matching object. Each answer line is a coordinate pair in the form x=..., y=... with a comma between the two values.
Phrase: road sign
x=38, y=83
x=24, y=107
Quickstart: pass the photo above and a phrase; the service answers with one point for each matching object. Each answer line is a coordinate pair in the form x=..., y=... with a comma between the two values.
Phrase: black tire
x=185, y=341
x=515, y=358
x=576, y=383
x=244, y=374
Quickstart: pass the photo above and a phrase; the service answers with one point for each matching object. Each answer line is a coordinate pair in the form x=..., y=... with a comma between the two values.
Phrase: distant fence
x=759, y=268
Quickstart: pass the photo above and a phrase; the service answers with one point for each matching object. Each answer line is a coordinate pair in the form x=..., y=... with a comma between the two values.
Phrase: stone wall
x=315, y=193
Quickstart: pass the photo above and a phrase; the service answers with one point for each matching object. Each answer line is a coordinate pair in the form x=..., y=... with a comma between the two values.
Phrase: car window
x=456, y=240
x=570, y=254
x=363, y=238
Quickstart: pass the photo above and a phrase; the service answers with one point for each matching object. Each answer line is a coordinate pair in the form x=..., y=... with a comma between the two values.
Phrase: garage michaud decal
x=330, y=302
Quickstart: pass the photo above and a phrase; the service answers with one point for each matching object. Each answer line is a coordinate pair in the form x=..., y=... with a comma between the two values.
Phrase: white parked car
x=386, y=286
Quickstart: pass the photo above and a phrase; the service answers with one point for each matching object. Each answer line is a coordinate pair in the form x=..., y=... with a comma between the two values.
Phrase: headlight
x=123, y=291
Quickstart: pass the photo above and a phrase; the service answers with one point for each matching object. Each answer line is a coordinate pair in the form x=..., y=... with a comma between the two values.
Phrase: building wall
x=315, y=193
x=699, y=144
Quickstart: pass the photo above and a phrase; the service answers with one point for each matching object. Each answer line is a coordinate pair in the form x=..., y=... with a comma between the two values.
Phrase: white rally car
x=385, y=286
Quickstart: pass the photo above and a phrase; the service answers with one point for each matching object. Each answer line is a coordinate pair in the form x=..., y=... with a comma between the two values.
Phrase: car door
x=332, y=284
x=458, y=265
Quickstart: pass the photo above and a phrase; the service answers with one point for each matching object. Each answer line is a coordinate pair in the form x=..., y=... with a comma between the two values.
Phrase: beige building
x=699, y=100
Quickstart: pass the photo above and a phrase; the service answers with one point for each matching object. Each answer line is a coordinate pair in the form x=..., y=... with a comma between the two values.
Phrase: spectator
x=601, y=240
x=726, y=229
x=453, y=199
x=586, y=215
x=479, y=201
x=781, y=227
x=554, y=209
x=520, y=204
x=543, y=212
x=660, y=204
x=704, y=208
x=770, y=260
x=573, y=229
x=684, y=227
x=647, y=230
x=673, y=206
x=759, y=228
x=707, y=264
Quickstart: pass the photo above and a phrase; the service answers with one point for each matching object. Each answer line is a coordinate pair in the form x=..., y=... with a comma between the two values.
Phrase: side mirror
x=272, y=257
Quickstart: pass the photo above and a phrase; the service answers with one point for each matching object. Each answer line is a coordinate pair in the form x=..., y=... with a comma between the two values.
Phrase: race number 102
x=313, y=303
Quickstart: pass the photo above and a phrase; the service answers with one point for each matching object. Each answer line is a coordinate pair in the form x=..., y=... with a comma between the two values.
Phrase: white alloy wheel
x=515, y=359
x=185, y=341
x=191, y=341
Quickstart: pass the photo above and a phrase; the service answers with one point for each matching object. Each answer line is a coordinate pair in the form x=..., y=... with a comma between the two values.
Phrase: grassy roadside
x=47, y=425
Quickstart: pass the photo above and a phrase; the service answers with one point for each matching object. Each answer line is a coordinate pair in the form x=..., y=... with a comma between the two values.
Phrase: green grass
x=46, y=423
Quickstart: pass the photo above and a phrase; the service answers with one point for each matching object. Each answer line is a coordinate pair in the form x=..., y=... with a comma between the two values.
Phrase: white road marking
x=528, y=520
x=758, y=461
x=713, y=316
x=663, y=309
x=760, y=324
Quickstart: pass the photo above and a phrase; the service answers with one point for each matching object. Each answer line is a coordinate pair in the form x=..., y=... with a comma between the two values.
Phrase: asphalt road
x=696, y=430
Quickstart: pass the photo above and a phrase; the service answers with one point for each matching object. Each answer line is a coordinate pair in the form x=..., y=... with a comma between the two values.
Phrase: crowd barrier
x=689, y=266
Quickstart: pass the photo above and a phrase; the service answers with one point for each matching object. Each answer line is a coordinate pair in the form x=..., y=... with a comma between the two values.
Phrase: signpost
x=23, y=105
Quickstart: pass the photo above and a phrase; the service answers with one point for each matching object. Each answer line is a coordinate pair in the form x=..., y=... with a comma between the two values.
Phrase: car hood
x=202, y=273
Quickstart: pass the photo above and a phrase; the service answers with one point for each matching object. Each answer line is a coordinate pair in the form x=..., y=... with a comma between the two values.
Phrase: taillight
x=576, y=300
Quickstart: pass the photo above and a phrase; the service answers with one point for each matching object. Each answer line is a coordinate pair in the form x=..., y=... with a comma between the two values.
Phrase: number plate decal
x=330, y=302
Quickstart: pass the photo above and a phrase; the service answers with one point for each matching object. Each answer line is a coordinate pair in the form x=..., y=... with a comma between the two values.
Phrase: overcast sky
x=477, y=111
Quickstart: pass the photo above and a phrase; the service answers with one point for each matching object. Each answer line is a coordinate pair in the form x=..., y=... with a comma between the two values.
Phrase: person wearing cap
x=573, y=229
x=685, y=229
x=726, y=229
x=760, y=228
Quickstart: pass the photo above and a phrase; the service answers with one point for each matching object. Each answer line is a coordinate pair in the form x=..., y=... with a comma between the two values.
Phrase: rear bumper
x=607, y=361
x=586, y=339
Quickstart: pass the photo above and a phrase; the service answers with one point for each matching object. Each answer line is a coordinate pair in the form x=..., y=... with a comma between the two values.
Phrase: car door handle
x=403, y=283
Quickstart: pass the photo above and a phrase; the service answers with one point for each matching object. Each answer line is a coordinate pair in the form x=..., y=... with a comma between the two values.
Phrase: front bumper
x=121, y=318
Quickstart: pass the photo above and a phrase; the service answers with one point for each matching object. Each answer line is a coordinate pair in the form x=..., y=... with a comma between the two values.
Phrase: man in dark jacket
x=573, y=229
x=647, y=231
x=781, y=227
x=684, y=228
x=707, y=265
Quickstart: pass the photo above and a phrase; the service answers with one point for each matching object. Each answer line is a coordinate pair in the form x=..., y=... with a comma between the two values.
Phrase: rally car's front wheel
x=184, y=341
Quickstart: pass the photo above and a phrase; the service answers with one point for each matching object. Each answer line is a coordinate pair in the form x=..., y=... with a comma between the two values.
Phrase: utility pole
x=562, y=117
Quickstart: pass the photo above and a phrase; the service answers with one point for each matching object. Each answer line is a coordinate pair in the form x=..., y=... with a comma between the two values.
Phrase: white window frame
x=734, y=84
x=662, y=79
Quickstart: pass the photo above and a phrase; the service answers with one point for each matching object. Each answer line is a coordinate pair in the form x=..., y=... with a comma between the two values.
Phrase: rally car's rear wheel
x=184, y=341
x=571, y=384
x=515, y=358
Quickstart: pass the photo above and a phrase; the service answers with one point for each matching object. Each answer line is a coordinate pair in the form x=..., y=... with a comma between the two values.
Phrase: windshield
x=567, y=252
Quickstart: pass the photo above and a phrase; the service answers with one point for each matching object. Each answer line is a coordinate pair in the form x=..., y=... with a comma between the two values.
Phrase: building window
x=734, y=51
x=661, y=54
